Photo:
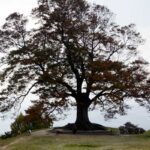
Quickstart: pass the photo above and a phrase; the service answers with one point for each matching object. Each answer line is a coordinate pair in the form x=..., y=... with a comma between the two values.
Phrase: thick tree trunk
x=82, y=118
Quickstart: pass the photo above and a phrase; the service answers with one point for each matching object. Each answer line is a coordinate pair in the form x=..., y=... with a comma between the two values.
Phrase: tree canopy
x=75, y=55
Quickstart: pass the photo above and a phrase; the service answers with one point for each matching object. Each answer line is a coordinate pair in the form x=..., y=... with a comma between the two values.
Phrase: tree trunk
x=82, y=118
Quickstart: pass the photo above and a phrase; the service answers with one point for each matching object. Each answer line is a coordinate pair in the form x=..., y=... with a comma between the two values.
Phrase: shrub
x=130, y=128
x=7, y=135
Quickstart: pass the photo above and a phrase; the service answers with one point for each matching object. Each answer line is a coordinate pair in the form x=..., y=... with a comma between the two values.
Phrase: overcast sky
x=126, y=12
x=132, y=11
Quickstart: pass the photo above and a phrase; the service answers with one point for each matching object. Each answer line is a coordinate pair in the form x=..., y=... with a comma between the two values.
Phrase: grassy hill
x=75, y=142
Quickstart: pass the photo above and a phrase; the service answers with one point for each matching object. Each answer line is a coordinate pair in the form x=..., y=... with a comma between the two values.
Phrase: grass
x=82, y=145
x=113, y=130
x=6, y=141
x=147, y=133
x=79, y=142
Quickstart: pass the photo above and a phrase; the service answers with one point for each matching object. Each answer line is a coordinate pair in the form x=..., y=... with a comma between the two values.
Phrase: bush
x=130, y=128
x=7, y=135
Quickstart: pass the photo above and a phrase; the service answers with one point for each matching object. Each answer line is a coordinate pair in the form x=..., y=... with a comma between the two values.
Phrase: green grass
x=80, y=142
x=6, y=141
x=147, y=133
x=82, y=145
x=113, y=130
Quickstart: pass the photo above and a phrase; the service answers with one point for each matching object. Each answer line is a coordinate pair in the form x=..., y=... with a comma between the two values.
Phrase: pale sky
x=126, y=12
x=132, y=11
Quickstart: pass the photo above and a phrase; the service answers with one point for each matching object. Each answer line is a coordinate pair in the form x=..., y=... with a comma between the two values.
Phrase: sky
x=126, y=12
x=132, y=11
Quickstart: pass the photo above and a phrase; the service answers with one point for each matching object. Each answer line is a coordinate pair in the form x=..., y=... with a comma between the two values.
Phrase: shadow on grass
x=82, y=145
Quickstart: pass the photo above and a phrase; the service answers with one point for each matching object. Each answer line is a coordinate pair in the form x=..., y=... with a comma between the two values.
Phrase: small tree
x=76, y=55
x=37, y=117
x=19, y=125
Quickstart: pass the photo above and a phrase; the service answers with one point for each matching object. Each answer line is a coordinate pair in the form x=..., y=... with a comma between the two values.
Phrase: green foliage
x=6, y=135
x=19, y=125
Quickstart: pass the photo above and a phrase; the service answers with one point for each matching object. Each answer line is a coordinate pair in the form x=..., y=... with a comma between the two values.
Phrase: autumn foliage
x=75, y=55
x=35, y=118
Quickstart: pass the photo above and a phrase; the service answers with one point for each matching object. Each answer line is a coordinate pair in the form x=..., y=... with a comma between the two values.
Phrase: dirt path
x=43, y=132
x=12, y=143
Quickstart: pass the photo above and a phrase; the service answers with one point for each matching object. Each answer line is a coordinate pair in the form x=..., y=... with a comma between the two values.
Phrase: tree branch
x=73, y=92
x=24, y=95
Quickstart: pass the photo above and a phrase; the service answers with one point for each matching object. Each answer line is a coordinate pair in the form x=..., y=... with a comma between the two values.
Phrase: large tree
x=75, y=55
